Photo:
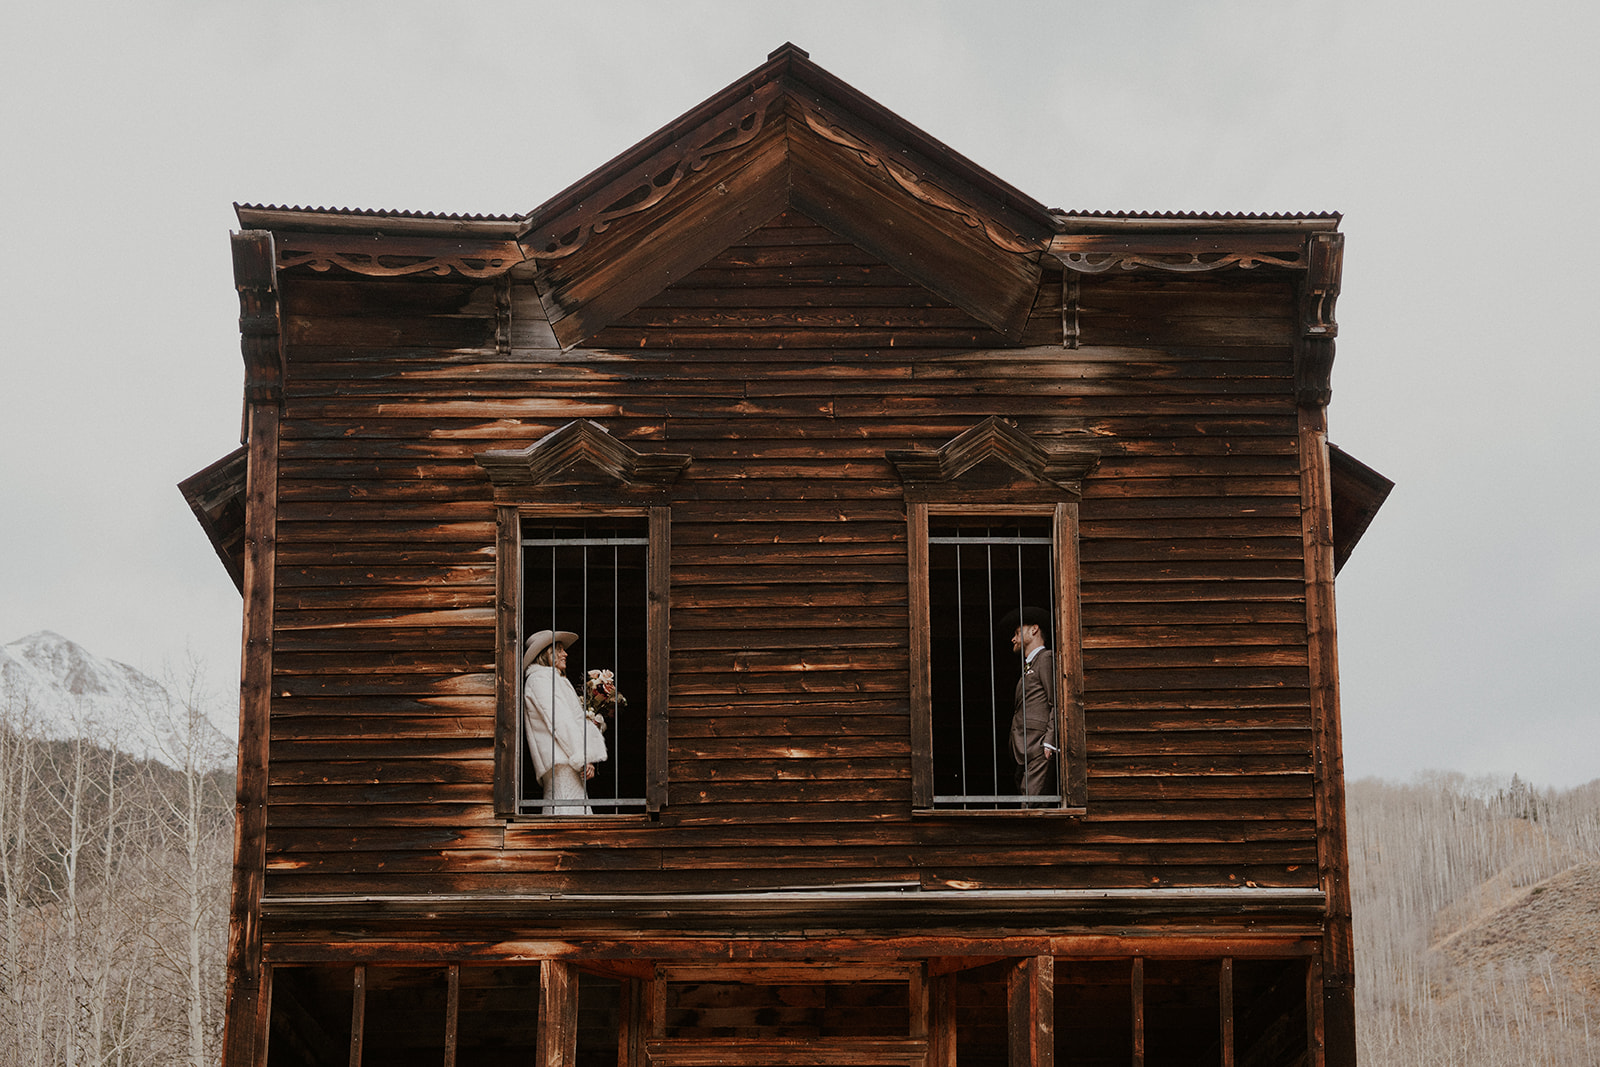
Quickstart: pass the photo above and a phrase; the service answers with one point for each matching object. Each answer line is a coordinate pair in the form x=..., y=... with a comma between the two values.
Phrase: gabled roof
x=787, y=136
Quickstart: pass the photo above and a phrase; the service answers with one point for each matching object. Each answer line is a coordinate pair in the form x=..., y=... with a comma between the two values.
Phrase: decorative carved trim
x=924, y=191
x=1070, y=297
x=395, y=264
x=1178, y=262
x=502, y=316
x=255, y=276
x=579, y=441
x=1313, y=371
x=1326, y=254
x=573, y=231
x=1180, y=253
x=1313, y=356
x=993, y=438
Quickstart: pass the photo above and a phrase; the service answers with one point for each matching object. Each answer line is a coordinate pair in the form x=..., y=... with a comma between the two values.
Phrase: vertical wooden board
x=1333, y=857
x=1031, y=1012
x=918, y=1000
x=634, y=1030
x=1069, y=622
x=1314, y=1017
x=508, y=660
x=1138, y=1011
x=659, y=627
x=558, y=1014
x=245, y=1036
x=942, y=1021
x=921, y=669
x=452, y=1014
x=358, y=1013
x=1225, y=1008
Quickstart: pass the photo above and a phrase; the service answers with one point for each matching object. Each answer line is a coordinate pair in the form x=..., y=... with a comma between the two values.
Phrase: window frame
x=1073, y=772
x=509, y=638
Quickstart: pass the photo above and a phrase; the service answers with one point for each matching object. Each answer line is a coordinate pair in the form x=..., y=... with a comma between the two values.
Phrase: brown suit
x=1033, y=726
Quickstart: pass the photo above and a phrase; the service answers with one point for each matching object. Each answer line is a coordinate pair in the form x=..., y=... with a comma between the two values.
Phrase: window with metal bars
x=600, y=577
x=1000, y=718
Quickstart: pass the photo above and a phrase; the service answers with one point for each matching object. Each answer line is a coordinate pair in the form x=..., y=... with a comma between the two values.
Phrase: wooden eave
x=883, y=912
x=216, y=496
x=1358, y=493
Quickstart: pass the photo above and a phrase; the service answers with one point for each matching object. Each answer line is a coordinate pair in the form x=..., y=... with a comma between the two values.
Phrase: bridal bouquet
x=600, y=697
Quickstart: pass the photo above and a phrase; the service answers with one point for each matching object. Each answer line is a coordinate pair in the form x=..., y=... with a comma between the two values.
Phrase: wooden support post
x=1225, y=1009
x=918, y=997
x=1138, y=1011
x=508, y=662
x=358, y=1013
x=659, y=624
x=1314, y=1042
x=942, y=1021
x=452, y=1015
x=1333, y=856
x=921, y=680
x=636, y=1030
x=1031, y=1004
x=558, y=1014
x=244, y=1040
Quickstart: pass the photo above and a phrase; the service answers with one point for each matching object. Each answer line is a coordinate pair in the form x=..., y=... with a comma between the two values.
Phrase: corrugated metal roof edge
x=269, y=216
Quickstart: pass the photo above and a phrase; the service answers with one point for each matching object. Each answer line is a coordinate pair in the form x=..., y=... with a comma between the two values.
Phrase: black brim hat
x=1023, y=617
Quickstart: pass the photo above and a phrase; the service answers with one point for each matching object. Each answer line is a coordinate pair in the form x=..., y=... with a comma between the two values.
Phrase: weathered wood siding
x=786, y=367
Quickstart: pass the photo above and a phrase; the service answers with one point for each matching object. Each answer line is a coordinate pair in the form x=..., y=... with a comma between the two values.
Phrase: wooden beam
x=1074, y=756
x=633, y=1029
x=1138, y=1011
x=658, y=627
x=508, y=660
x=921, y=680
x=244, y=1042
x=1225, y=1009
x=791, y=1052
x=558, y=1014
x=358, y=1013
x=1333, y=858
x=1031, y=1012
x=942, y=1020
x=452, y=1014
x=1314, y=1021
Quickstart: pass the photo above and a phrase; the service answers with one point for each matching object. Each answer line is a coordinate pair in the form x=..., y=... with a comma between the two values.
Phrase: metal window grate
x=588, y=575
x=980, y=568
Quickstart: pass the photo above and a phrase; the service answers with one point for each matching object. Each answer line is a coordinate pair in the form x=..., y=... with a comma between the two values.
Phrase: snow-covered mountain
x=61, y=690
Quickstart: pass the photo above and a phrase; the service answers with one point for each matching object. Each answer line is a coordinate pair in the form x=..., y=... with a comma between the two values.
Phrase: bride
x=564, y=743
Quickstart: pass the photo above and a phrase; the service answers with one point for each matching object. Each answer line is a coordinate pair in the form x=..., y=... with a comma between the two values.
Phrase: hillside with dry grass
x=1477, y=916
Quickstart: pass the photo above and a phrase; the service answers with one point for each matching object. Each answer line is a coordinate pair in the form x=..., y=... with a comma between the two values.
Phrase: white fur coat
x=558, y=733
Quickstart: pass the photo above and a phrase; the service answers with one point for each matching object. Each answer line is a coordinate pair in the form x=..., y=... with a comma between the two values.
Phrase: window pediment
x=573, y=454
x=994, y=440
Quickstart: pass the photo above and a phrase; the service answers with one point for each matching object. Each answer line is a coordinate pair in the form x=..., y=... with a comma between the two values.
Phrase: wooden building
x=782, y=411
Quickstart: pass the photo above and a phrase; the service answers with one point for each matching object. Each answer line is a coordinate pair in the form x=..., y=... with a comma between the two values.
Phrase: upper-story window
x=996, y=663
x=582, y=622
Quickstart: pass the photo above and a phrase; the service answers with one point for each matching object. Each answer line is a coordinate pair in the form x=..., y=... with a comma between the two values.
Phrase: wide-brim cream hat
x=543, y=640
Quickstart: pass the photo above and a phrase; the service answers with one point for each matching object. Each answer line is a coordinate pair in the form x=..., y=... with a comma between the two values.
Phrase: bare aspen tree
x=16, y=869
x=1447, y=875
x=191, y=892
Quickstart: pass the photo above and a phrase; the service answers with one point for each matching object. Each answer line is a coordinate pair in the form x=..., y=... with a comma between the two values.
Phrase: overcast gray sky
x=1459, y=140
